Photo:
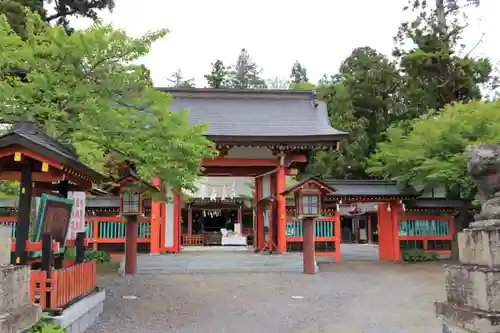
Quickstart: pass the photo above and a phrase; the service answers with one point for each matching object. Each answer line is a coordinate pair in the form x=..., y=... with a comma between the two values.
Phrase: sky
x=318, y=33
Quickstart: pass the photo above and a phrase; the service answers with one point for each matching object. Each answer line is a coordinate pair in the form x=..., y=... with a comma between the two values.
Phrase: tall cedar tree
x=245, y=74
x=218, y=77
x=60, y=11
x=298, y=73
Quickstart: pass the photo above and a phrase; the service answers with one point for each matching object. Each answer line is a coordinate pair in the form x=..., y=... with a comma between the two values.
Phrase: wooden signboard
x=54, y=217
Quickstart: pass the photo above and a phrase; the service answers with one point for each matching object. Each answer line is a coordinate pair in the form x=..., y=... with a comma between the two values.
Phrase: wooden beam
x=26, y=152
x=240, y=162
x=36, y=176
x=236, y=172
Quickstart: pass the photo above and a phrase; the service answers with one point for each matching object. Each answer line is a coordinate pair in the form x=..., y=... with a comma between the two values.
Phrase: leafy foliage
x=277, y=82
x=47, y=327
x=218, y=77
x=245, y=74
x=94, y=100
x=177, y=80
x=418, y=255
x=434, y=74
x=432, y=155
x=99, y=256
x=60, y=11
x=363, y=102
x=298, y=73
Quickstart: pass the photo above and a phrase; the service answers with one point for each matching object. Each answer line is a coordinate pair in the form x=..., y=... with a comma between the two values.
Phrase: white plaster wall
x=249, y=152
x=169, y=219
x=266, y=186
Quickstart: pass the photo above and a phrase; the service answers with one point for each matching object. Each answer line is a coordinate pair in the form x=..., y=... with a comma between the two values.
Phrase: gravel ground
x=349, y=297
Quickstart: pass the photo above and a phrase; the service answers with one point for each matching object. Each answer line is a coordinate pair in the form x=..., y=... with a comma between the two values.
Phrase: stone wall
x=16, y=311
x=473, y=286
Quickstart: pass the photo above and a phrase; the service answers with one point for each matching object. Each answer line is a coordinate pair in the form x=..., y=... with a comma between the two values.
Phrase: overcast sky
x=318, y=33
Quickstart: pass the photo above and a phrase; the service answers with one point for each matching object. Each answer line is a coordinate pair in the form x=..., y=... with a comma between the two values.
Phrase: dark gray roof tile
x=256, y=113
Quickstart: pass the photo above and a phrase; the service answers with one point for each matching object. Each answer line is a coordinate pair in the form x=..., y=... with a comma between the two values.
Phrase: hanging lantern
x=130, y=203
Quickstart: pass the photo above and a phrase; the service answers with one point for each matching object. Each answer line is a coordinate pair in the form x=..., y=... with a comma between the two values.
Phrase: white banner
x=77, y=221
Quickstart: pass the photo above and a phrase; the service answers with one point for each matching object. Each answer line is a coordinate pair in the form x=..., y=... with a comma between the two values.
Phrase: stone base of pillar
x=472, y=288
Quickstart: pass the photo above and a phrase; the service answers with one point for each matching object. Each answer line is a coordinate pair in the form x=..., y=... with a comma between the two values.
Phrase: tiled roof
x=272, y=114
x=26, y=134
x=368, y=188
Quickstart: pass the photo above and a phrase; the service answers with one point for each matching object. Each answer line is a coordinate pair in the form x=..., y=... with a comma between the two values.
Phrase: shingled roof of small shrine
x=26, y=134
x=368, y=188
x=257, y=114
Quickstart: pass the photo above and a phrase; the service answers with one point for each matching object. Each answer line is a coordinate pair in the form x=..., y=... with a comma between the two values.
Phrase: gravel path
x=349, y=297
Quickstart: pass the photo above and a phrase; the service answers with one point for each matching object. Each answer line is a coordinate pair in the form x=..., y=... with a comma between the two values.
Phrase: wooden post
x=80, y=247
x=308, y=245
x=281, y=209
x=23, y=217
x=370, y=230
x=190, y=220
x=155, y=222
x=261, y=236
x=131, y=246
x=239, y=217
x=338, y=234
x=46, y=264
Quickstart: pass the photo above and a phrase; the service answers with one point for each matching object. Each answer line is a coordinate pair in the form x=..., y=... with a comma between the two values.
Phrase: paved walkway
x=349, y=297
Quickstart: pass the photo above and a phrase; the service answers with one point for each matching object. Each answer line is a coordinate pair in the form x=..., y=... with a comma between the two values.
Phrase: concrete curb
x=81, y=315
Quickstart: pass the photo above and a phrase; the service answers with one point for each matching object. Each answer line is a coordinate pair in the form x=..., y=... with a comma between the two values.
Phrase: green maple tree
x=82, y=90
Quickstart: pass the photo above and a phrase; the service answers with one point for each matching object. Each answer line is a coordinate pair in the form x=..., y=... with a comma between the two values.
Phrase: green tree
x=434, y=73
x=350, y=160
x=60, y=11
x=95, y=99
x=432, y=155
x=373, y=83
x=298, y=73
x=177, y=80
x=218, y=77
x=245, y=74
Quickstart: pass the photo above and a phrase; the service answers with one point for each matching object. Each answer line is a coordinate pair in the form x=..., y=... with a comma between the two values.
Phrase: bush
x=47, y=327
x=418, y=255
x=70, y=253
x=99, y=256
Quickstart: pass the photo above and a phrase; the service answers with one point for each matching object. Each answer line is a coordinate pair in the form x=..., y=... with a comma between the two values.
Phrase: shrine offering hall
x=264, y=138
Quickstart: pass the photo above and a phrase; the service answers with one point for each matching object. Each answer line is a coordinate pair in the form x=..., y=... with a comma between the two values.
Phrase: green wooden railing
x=427, y=228
x=321, y=229
x=112, y=230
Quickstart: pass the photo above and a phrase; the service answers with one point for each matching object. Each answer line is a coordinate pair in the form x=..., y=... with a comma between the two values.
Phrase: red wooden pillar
x=370, y=230
x=190, y=221
x=131, y=246
x=261, y=237
x=308, y=245
x=396, y=208
x=281, y=209
x=386, y=232
x=155, y=222
x=338, y=235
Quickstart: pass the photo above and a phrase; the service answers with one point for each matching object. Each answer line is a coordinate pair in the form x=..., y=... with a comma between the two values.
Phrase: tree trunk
x=441, y=17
